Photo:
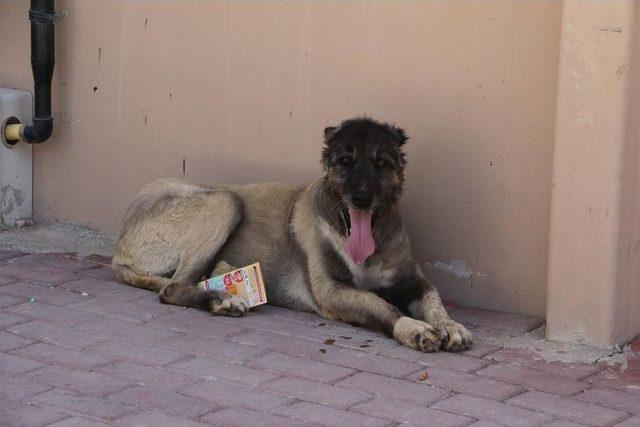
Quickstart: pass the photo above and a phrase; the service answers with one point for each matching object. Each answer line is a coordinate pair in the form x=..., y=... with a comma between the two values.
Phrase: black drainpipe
x=42, y=17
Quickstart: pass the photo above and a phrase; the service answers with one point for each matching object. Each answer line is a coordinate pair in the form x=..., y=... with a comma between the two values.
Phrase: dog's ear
x=400, y=135
x=329, y=132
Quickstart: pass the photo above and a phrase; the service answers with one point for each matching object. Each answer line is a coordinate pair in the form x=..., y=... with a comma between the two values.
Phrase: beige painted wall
x=240, y=91
x=594, y=260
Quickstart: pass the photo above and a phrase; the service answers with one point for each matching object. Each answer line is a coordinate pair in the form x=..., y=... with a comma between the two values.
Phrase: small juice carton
x=245, y=282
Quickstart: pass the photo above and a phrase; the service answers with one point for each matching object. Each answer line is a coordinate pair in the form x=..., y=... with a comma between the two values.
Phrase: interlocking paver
x=54, y=260
x=630, y=422
x=211, y=348
x=248, y=418
x=379, y=385
x=143, y=354
x=117, y=355
x=63, y=335
x=323, y=415
x=495, y=320
x=50, y=313
x=40, y=274
x=77, y=422
x=195, y=322
x=612, y=399
x=300, y=367
x=10, y=341
x=458, y=362
x=79, y=404
x=13, y=365
x=214, y=370
x=43, y=294
x=129, y=330
x=124, y=310
x=155, y=419
x=8, y=254
x=490, y=410
x=8, y=301
x=227, y=394
x=401, y=411
x=165, y=401
x=63, y=356
x=87, y=383
x=104, y=289
x=622, y=378
x=534, y=379
x=332, y=354
x=150, y=377
x=522, y=357
x=21, y=414
x=103, y=273
x=569, y=409
x=14, y=388
x=7, y=319
x=474, y=385
x=337, y=397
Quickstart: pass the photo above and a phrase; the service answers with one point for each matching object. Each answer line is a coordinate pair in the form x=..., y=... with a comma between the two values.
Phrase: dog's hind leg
x=210, y=227
x=130, y=277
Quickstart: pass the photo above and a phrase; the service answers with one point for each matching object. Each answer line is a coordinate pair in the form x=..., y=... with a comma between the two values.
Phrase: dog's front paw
x=455, y=337
x=229, y=306
x=416, y=334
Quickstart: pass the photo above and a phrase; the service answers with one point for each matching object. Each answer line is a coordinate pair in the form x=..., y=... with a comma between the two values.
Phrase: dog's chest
x=366, y=276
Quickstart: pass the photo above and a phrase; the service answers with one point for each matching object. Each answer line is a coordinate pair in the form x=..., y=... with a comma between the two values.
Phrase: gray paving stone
x=14, y=365
x=419, y=394
x=35, y=273
x=490, y=410
x=215, y=370
x=298, y=388
x=456, y=361
x=227, y=394
x=534, y=379
x=42, y=294
x=78, y=404
x=87, y=383
x=10, y=341
x=7, y=319
x=150, y=377
x=21, y=414
x=155, y=419
x=324, y=415
x=401, y=411
x=164, y=401
x=611, y=398
x=211, y=348
x=462, y=382
x=8, y=301
x=77, y=422
x=196, y=322
x=570, y=409
x=65, y=335
x=494, y=320
x=104, y=289
x=14, y=388
x=248, y=418
x=63, y=356
x=300, y=367
x=140, y=353
x=333, y=355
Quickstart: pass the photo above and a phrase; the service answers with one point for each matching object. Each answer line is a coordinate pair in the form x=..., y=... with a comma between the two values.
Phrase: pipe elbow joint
x=39, y=132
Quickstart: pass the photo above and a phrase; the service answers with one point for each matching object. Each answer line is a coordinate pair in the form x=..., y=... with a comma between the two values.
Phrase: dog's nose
x=362, y=200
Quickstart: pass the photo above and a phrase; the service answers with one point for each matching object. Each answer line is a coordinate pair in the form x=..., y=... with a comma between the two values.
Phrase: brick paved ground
x=77, y=348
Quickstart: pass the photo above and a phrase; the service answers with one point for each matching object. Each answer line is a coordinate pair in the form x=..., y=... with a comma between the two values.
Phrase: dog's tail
x=130, y=277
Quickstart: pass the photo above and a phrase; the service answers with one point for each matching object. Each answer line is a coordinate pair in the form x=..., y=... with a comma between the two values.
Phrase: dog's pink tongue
x=360, y=244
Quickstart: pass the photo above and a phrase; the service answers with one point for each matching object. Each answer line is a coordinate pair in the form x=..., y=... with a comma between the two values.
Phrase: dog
x=336, y=247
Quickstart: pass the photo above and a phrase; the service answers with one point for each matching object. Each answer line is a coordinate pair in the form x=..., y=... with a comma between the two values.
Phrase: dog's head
x=364, y=165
